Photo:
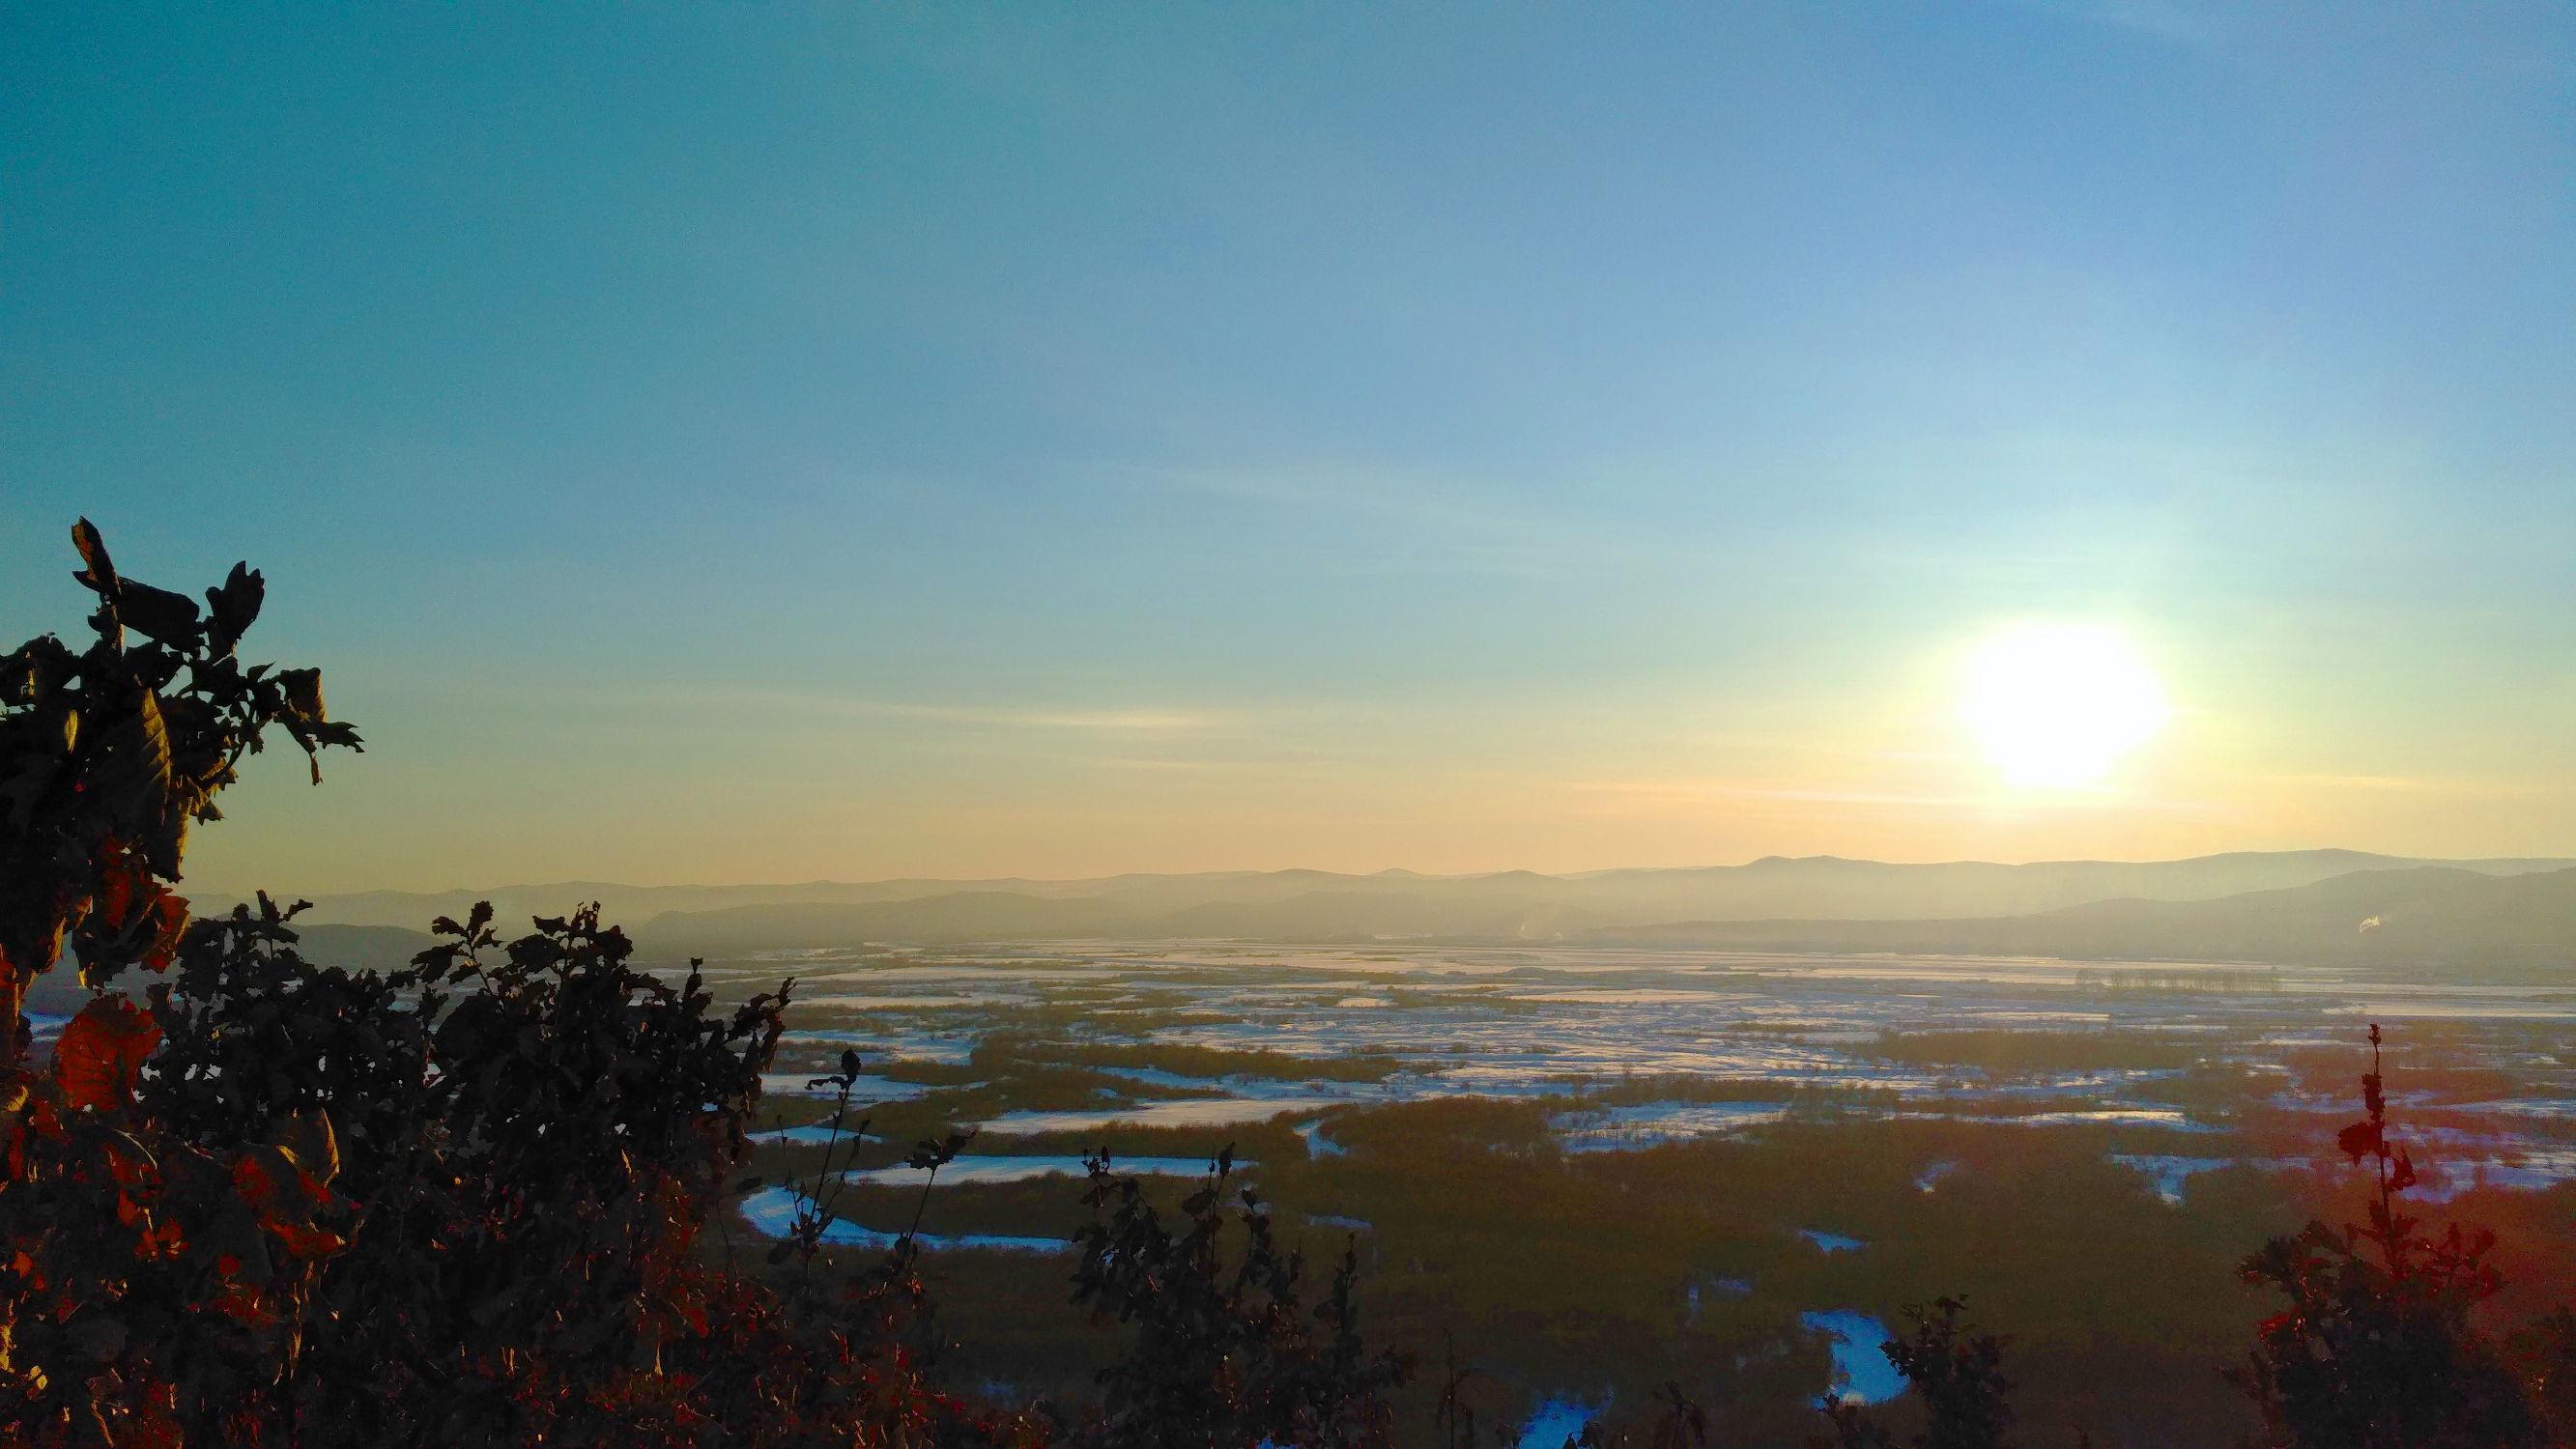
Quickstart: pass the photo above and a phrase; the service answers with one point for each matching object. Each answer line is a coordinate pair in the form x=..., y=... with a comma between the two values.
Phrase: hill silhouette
x=2260, y=906
x=2425, y=915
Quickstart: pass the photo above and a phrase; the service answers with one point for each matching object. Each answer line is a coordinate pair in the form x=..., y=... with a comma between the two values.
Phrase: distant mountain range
x=2265, y=906
x=2439, y=916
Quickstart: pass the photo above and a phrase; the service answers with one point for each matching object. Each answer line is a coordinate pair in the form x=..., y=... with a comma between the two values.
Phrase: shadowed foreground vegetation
x=249, y=1198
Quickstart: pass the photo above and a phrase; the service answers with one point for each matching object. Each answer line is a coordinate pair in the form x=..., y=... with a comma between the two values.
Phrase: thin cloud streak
x=1686, y=792
x=1148, y=719
x=1689, y=791
x=1468, y=533
x=1145, y=721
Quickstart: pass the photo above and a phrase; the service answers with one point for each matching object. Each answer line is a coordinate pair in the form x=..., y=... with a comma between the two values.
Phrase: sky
x=755, y=443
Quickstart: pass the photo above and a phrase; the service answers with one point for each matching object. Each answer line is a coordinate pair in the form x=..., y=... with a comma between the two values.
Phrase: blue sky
x=762, y=442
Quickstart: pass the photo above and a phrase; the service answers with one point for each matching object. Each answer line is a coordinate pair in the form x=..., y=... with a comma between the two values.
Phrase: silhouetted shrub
x=142, y=1275
x=280, y=1202
x=2377, y=1349
x=1957, y=1371
x=1223, y=1353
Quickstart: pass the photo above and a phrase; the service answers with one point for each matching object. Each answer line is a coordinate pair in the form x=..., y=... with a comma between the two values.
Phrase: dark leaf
x=303, y=693
x=233, y=606
x=158, y=613
x=97, y=1334
x=100, y=574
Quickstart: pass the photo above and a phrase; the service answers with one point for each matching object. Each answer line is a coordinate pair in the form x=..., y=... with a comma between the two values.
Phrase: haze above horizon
x=730, y=446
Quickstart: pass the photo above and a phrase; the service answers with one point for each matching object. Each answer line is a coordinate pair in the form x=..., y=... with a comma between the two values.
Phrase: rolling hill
x=2292, y=905
x=2426, y=915
x=1509, y=904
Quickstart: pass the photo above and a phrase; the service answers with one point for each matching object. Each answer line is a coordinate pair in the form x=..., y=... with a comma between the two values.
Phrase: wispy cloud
x=2410, y=784
x=2174, y=20
x=1691, y=792
x=1686, y=791
x=1116, y=721
x=790, y=705
x=1164, y=766
x=1411, y=519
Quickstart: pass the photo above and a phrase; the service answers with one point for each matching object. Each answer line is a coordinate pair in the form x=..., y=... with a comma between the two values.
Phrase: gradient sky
x=780, y=442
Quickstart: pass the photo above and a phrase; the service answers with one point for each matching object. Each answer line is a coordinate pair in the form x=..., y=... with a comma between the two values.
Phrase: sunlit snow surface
x=1182, y=1112
x=772, y=1211
x=809, y=1134
x=864, y=1088
x=1317, y=1144
x=1791, y=1033
x=1022, y=1169
x=1614, y=1128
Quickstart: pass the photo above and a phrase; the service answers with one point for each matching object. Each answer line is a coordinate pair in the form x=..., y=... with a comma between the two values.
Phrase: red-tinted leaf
x=305, y=1241
x=2359, y=1140
x=266, y=1179
x=243, y=1307
x=116, y=888
x=102, y=1050
x=284, y=1195
x=171, y=923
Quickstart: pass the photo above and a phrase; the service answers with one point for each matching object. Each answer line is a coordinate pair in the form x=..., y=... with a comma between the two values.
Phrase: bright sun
x=2057, y=705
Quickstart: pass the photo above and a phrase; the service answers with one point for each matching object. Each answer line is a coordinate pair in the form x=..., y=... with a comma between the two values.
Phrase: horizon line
x=229, y=890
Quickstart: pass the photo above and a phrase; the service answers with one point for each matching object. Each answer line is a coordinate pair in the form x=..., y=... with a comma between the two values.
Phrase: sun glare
x=2057, y=705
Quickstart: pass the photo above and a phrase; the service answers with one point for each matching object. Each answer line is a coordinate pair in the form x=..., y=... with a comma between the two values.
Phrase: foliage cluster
x=2378, y=1348
x=261, y=1200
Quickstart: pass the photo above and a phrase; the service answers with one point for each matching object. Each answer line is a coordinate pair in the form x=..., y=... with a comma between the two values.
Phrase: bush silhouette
x=1959, y=1373
x=1224, y=1355
x=278, y=1202
x=2377, y=1349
